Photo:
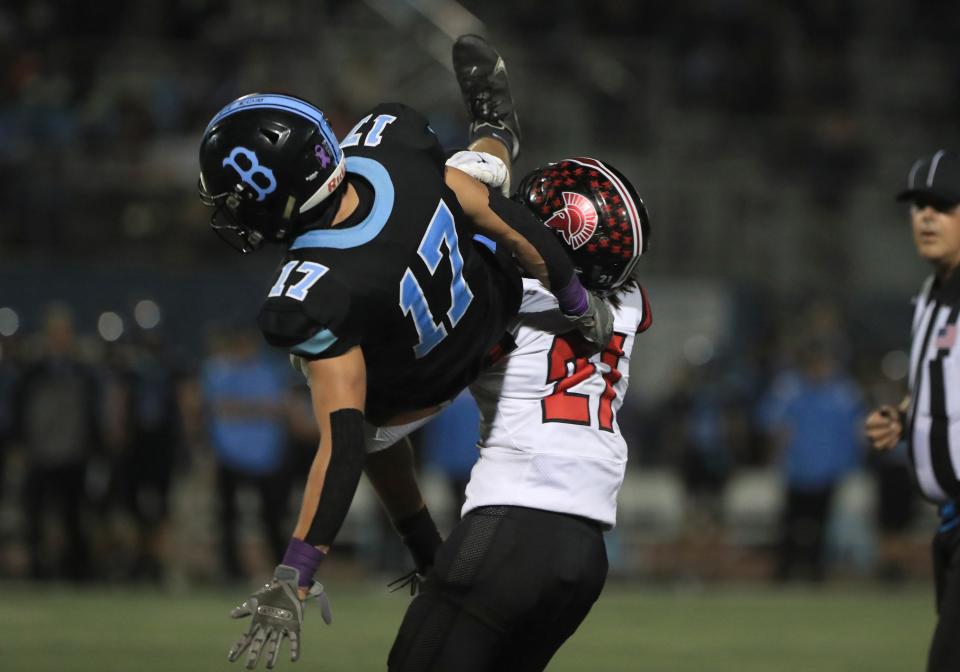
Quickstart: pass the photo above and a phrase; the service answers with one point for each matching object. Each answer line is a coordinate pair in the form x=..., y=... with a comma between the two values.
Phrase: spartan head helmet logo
x=577, y=221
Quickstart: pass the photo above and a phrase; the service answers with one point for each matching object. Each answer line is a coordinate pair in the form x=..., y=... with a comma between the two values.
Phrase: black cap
x=935, y=178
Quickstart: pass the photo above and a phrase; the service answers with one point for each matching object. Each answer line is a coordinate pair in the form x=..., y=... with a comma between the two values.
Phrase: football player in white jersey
x=522, y=569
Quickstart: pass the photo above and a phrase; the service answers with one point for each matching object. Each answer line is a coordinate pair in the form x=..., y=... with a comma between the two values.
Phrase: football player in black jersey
x=526, y=562
x=384, y=299
x=522, y=569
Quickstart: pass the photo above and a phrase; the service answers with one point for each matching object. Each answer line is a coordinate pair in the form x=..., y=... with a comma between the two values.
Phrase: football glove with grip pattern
x=596, y=323
x=277, y=612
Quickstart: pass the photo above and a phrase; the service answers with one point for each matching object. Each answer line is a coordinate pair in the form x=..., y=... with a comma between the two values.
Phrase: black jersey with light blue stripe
x=401, y=277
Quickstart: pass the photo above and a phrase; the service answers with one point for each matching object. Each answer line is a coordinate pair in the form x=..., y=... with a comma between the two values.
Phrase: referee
x=929, y=417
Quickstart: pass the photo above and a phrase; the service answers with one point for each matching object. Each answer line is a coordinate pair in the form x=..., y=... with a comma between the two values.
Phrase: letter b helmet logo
x=247, y=175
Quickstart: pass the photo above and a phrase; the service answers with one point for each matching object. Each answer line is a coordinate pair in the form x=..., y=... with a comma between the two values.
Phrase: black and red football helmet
x=597, y=215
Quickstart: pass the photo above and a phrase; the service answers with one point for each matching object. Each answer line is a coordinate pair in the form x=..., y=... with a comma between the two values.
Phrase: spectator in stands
x=244, y=395
x=814, y=414
x=58, y=423
x=896, y=511
x=152, y=439
x=700, y=436
x=9, y=376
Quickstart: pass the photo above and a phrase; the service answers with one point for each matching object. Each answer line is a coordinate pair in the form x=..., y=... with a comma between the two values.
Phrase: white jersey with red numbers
x=549, y=437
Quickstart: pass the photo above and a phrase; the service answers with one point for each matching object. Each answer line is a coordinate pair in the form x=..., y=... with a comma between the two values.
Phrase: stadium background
x=767, y=141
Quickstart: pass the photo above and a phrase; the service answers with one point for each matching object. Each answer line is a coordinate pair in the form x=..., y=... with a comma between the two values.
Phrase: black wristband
x=419, y=534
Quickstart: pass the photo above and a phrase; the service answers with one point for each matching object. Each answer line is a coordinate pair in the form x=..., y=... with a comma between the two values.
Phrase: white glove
x=483, y=167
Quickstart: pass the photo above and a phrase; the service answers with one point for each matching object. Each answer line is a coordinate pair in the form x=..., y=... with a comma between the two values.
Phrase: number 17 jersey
x=401, y=277
x=549, y=437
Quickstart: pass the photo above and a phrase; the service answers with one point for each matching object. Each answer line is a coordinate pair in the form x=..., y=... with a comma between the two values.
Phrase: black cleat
x=482, y=76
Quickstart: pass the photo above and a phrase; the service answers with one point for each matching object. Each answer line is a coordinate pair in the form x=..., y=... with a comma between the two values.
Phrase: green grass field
x=827, y=630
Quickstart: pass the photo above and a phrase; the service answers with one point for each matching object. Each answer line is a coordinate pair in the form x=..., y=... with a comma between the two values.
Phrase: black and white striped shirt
x=934, y=414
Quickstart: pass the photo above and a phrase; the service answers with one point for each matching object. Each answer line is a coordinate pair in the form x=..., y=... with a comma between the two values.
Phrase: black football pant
x=510, y=585
x=274, y=492
x=62, y=490
x=945, y=647
x=804, y=531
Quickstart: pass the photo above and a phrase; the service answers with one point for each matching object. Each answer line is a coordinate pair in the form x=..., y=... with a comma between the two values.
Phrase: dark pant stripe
x=918, y=384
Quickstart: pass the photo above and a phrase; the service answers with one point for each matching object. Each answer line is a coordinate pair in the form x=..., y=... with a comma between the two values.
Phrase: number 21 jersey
x=549, y=437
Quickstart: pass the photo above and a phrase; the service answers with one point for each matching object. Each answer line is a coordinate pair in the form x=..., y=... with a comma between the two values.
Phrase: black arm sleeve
x=520, y=219
x=347, y=455
x=421, y=537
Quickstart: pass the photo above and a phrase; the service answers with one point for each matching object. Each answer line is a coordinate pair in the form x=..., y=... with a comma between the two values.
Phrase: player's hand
x=277, y=612
x=413, y=580
x=884, y=427
x=420, y=536
x=483, y=167
x=596, y=323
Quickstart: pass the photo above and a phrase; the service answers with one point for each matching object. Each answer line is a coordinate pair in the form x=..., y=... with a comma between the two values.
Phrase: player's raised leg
x=482, y=76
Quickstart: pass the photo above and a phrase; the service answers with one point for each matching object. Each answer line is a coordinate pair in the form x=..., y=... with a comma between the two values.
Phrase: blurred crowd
x=775, y=112
x=98, y=439
x=791, y=123
x=97, y=434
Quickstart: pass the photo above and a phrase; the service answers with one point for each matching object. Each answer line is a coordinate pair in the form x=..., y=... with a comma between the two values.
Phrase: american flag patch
x=946, y=337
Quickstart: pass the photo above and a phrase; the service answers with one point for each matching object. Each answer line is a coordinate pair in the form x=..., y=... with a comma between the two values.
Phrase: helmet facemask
x=227, y=221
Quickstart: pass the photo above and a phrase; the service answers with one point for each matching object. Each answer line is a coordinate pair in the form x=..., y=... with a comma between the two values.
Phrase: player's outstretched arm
x=338, y=390
x=392, y=474
x=537, y=250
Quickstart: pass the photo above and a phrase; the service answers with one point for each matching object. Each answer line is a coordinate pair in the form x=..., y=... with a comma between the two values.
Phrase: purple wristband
x=303, y=557
x=572, y=298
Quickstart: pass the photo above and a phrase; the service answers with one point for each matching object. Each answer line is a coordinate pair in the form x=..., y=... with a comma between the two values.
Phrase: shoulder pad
x=646, y=315
x=393, y=125
x=307, y=316
x=634, y=310
x=402, y=112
